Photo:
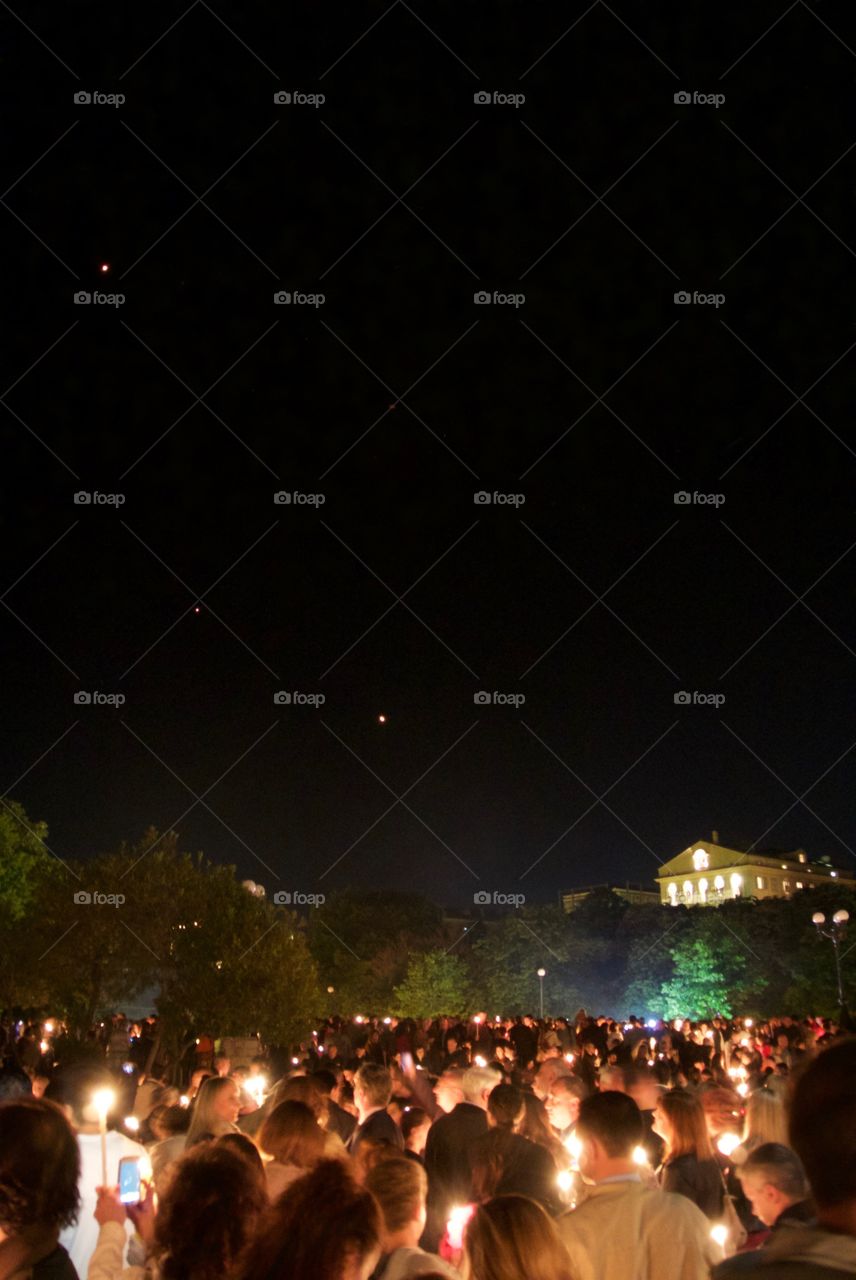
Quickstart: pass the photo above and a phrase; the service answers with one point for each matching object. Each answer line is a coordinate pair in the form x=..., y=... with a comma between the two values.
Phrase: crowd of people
x=382, y=1149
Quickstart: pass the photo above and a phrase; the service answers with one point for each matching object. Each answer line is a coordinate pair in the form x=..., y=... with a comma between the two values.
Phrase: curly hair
x=315, y=1226
x=39, y=1166
x=209, y=1213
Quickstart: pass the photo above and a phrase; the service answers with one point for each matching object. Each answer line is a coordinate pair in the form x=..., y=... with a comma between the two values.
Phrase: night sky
x=597, y=397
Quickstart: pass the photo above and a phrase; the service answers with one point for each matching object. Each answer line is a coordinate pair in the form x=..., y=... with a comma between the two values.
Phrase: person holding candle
x=85, y=1092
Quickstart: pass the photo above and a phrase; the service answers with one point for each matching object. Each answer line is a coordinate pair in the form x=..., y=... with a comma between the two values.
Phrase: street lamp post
x=835, y=931
x=542, y=973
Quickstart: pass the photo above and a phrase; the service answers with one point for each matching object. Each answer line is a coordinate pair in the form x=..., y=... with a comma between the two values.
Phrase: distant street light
x=835, y=932
x=542, y=973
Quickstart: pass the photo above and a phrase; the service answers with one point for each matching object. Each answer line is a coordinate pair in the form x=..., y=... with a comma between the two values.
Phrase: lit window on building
x=760, y=882
x=700, y=860
x=800, y=884
x=786, y=885
x=702, y=889
x=673, y=894
x=719, y=884
x=736, y=884
x=803, y=858
x=688, y=890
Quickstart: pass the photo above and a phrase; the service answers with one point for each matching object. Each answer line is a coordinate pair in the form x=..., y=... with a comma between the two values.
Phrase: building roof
x=705, y=855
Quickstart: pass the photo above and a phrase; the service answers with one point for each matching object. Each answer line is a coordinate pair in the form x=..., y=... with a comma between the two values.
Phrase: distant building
x=632, y=893
x=707, y=873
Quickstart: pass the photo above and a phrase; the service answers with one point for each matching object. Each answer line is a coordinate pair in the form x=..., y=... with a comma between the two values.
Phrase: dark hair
x=14, y=1083
x=313, y=1226
x=74, y=1086
x=325, y=1081
x=412, y=1118
x=291, y=1135
x=504, y=1104
x=39, y=1166
x=614, y=1120
x=246, y=1148
x=778, y=1165
x=376, y=1083
x=822, y=1123
x=216, y=1197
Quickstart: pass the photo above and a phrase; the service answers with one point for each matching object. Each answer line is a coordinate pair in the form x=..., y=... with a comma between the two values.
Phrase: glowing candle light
x=103, y=1100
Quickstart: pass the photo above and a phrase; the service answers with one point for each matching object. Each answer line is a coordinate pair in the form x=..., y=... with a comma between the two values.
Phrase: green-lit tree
x=436, y=983
x=703, y=982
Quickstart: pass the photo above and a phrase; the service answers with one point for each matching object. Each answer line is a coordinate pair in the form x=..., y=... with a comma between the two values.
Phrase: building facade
x=707, y=873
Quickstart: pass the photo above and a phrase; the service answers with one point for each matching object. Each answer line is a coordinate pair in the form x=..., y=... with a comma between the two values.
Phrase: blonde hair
x=512, y=1236
x=400, y=1186
x=688, y=1135
x=765, y=1120
x=205, y=1122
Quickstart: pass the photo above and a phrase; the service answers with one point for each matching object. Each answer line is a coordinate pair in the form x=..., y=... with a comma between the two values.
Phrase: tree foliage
x=436, y=983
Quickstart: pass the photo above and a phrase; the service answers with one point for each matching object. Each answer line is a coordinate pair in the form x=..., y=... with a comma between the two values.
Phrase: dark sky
x=597, y=198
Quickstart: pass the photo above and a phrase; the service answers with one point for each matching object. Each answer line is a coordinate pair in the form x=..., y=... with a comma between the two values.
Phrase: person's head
x=504, y=1106
x=477, y=1083
x=546, y=1074
x=324, y=1227
x=415, y=1124
x=324, y=1081
x=14, y=1083
x=642, y=1088
x=246, y=1148
x=39, y=1167
x=772, y=1179
x=216, y=1109
x=222, y=1065
x=292, y=1135
x=166, y=1122
x=400, y=1186
x=822, y=1128
x=512, y=1236
x=448, y=1091
x=680, y=1121
x=372, y=1087
x=721, y=1110
x=214, y=1196
x=301, y=1089
x=563, y=1101
x=610, y=1125
x=74, y=1088
x=612, y=1078
x=765, y=1119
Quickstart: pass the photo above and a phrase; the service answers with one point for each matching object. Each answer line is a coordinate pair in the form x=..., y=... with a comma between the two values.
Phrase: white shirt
x=81, y=1239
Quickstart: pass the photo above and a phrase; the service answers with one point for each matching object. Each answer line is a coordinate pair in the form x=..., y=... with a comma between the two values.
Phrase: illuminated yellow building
x=707, y=873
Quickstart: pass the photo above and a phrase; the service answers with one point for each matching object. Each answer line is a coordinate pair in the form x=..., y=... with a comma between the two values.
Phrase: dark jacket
x=340, y=1121
x=698, y=1180
x=505, y=1164
x=379, y=1127
x=795, y=1253
x=448, y=1163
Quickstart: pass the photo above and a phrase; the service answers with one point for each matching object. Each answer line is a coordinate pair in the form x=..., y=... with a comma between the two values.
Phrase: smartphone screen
x=129, y=1180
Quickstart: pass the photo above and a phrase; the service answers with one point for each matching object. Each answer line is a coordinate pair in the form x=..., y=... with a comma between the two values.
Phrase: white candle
x=103, y=1100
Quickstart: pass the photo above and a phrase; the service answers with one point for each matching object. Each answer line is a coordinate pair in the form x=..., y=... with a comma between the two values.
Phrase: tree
x=701, y=985
x=436, y=983
x=24, y=860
